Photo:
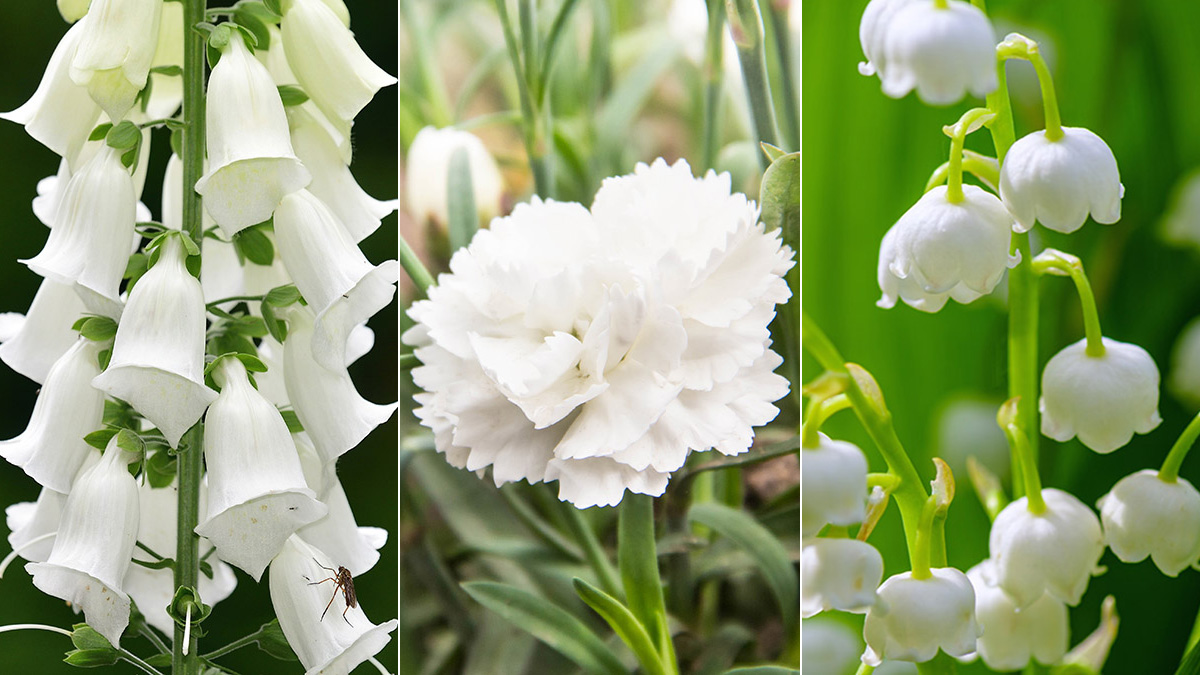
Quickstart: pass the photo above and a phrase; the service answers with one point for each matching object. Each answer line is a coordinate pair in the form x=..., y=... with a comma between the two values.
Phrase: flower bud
x=1103, y=400
x=839, y=574
x=913, y=618
x=427, y=168
x=1012, y=637
x=116, y=51
x=1054, y=552
x=835, y=485
x=28, y=521
x=1059, y=182
x=45, y=335
x=941, y=52
x=1146, y=516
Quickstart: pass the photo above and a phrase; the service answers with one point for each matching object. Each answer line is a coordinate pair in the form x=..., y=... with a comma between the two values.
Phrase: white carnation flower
x=1059, y=182
x=1144, y=515
x=942, y=52
x=598, y=349
x=913, y=618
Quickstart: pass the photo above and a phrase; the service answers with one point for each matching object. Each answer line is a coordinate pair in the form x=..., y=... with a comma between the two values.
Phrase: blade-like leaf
x=624, y=623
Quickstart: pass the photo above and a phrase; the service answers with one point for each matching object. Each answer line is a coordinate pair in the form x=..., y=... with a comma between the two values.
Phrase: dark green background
x=28, y=34
x=1129, y=71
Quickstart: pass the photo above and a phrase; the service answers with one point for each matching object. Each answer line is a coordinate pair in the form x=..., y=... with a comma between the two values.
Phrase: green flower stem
x=941, y=4
x=864, y=669
x=593, y=551
x=745, y=25
x=1169, y=472
x=1053, y=261
x=237, y=644
x=983, y=167
x=422, y=53
x=187, y=559
x=1018, y=46
x=1029, y=470
x=415, y=268
x=141, y=665
x=970, y=121
x=791, y=98
x=534, y=136
x=819, y=411
x=919, y=555
x=638, y=562
x=714, y=48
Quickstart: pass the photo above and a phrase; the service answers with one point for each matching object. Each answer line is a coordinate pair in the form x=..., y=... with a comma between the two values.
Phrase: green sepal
x=177, y=610
x=780, y=194
x=85, y=637
x=277, y=327
x=99, y=439
x=773, y=153
x=161, y=468
x=292, y=420
x=92, y=658
x=253, y=244
x=282, y=296
x=291, y=95
x=123, y=136
x=253, y=22
x=272, y=641
x=103, y=358
x=96, y=328
x=101, y=131
x=169, y=71
x=274, y=7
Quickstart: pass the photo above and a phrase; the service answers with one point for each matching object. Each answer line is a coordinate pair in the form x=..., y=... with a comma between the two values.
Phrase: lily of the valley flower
x=157, y=361
x=51, y=449
x=913, y=618
x=333, y=641
x=426, y=171
x=835, y=485
x=29, y=521
x=46, y=333
x=839, y=574
x=1184, y=378
x=95, y=544
x=831, y=647
x=1144, y=515
x=1012, y=637
x=941, y=51
x=1103, y=400
x=257, y=496
x=1059, y=182
x=872, y=32
x=251, y=161
x=116, y=51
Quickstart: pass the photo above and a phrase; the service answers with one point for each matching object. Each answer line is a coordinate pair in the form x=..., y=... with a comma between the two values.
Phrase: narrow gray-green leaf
x=763, y=670
x=624, y=623
x=460, y=200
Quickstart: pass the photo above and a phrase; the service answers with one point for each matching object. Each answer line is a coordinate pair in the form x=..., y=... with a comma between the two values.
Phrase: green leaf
x=282, y=296
x=85, y=637
x=275, y=326
x=460, y=200
x=161, y=469
x=189, y=244
x=549, y=623
x=99, y=439
x=273, y=5
x=763, y=670
x=770, y=555
x=255, y=245
x=169, y=71
x=272, y=641
x=780, y=194
x=624, y=623
x=773, y=153
x=292, y=95
x=292, y=420
x=100, y=131
x=103, y=358
x=177, y=142
x=92, y=658
x=252, y=363
x=254, y=24
x=98, y=328
x=130, y=442
x=124, y=136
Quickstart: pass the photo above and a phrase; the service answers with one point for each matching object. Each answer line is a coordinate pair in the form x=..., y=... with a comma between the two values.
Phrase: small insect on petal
x=342, y=581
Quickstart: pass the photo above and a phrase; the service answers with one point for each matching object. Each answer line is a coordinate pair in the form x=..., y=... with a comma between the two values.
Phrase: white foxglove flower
x=1053, y=552
x=357, y=547
x=51, y=449
x=95, y=544
x=830, y=648
x=277, y=64
x=340, y=285
x=913, y=618
x=73, y=10
x=1144, y=515
x=1184, y=378
x=1103, y=400
x=46, y=333
x=157, y=363
x=257, y=496
x=835, y=485
x=30, y=521
x=60, y=115
x=327, y=61
x=839, y=574
x=941, y=249
x=873, y=30
x=90, y=241
x=426, y=172
x=333, y=641
x=941, y=52
x=334, y=414
x=251, y=161
x=332, y=181
x=49, y=189
x=166, y=92
x=116, y=51
x=1012, y=637
x=1059, y=182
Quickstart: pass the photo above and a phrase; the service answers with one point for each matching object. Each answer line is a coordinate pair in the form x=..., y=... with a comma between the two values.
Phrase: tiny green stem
x=1017, y=46
x=1028, y=466
x=919, y=554
x=714, y=47
x=745, y=25
x=422, y=52
x=1169, y=472
x=864, y=669
x=593, y=551
x=984, y=168
x=415, y=268
x=534, y=143
x=147, y=632
x=818, y=412
x=237, y=644
x=970, y=121
x=1053, y=261
x=232, y=298
x=886, y=481
x=141, y=665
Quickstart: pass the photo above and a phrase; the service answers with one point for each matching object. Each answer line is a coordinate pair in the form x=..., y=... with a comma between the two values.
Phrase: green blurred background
x=29, y=32
x=1129, y=72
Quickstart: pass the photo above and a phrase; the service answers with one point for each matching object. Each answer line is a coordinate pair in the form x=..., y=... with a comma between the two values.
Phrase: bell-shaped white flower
x=873, y=30
x=60, y=114
x=332, y=411
x=1059, y=182
x=95, y=544
x=251, y=161
x=942, y=52
x=276, y=62
x=427, y=169
x=941, y=249
x=333, y=275
x=830, y=647
x=89, y=243
x=1180, y=224
x=329, y=637
x=1144, y=515
x=51, y=449
x=157, y=363
x=32, y=525
x=45, y=334
x=835, y=485
x=116, y=51
x=1053, y=552
x=913, y=618
x=357, y=547
x=1012, y=637
x=1103, y=400
x=327, y=61
x=257, y=496
x=1184, y=378
x=49, y=190
x=73, y=10
x=838, y=574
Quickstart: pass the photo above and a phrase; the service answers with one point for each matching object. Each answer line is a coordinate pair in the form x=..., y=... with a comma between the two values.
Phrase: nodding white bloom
x=28, y=522
x=73, y=10
x=1012, y=637
x=166, y=92
x=835, y=485
x=1144, y=515
x=157, y=361
x=257, y=496
x=357, y=547
x=873, y=30
x=1103, y=400
x=941, y=52
x=49, y=189
x=89, y=243
x=913, y=618
x=251, y=161
x=327, y=61
x=46, y=333
x=340, y=285
x=116, y=51
x=1184, y=378
x=154, y=589
x=1059, y=182
x=830, y=647
x=941, y=249
x=332, y=181
x=51, y=449
x=1053, y=552
x=333, y=641
x=60, y=115
x=427, y=168
x=94, y=544
x=1181, y=223
x=276, y=62
x=839, y=574
x=599, y=349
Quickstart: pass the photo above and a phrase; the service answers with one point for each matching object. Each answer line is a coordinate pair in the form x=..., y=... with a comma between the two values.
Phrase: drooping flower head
x=427, y=169
x=839, y=574
x=913, y=618
x=942, y=52
x=116, y=51
x=835, y=485
x=1012, y=637
x=1145, y=516
x=1060, y=182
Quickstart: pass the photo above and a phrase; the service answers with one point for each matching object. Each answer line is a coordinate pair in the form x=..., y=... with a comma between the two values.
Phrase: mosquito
x=342, y=581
